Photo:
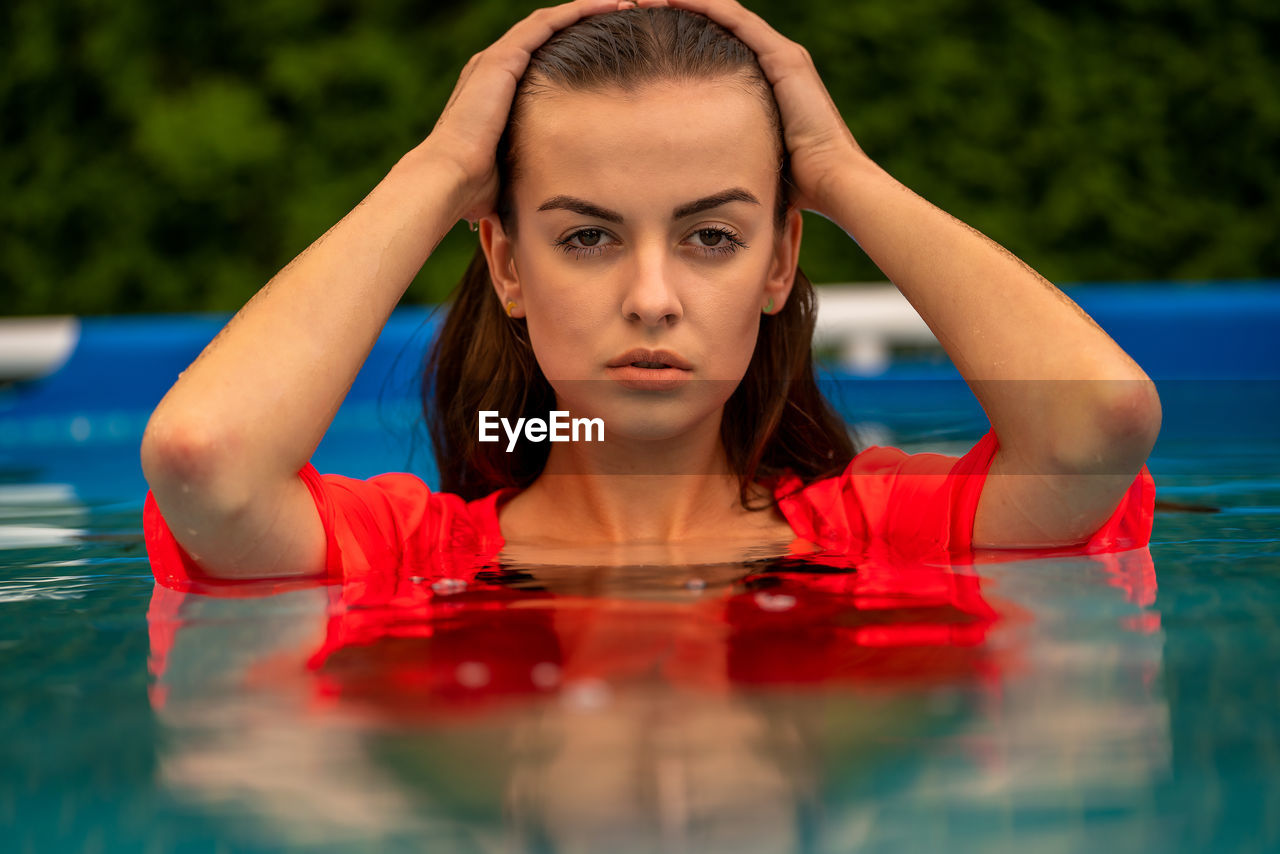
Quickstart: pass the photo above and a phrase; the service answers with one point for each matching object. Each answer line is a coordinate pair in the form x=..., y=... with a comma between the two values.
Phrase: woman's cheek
x=565, y=333
x=561, y=297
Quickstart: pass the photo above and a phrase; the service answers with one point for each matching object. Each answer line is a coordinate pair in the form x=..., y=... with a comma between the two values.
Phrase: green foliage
x=158, y=157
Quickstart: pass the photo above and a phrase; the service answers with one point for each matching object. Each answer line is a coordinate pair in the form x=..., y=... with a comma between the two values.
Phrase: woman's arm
x=223, y=449
x=1075, y=416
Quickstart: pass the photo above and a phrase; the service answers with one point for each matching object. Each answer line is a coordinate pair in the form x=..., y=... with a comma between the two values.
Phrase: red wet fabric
x=914, y=506
x=424, y=619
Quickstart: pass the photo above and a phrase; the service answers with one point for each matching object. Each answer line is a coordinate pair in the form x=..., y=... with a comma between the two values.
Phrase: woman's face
x=646, y=249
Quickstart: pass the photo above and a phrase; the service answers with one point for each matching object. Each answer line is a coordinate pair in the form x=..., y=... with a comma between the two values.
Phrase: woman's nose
x=651, y=295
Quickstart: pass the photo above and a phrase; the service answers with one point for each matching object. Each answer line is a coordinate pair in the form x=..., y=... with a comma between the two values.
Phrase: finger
x=729, y=13
x=529, y=34
x=504, y=61
x=780, y=57
x=463, y=76
x=739, y=20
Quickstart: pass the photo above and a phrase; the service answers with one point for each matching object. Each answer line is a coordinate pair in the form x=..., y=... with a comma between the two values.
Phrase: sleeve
x=366, y=523
x=923, y=505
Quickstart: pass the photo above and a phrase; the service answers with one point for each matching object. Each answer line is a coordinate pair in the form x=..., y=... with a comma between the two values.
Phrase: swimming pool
x=1122, y=703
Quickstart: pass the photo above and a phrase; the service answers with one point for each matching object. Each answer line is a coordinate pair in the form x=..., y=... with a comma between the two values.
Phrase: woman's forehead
x=684, y=138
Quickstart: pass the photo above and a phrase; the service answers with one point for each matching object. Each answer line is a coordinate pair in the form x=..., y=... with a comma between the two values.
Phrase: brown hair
x=776, y=420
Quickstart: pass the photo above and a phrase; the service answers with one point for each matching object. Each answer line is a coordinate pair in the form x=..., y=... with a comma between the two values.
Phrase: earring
x=768, y=309
x=510, y=308
x=474, y=224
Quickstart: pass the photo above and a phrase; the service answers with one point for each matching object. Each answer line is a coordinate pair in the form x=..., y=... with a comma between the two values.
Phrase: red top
x=422, y=619
x=914, y=505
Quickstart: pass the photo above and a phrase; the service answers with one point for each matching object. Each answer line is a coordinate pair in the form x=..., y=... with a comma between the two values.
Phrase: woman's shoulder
x=924, y=504
x=389, y=520
x=888, y=495
x=398, y=516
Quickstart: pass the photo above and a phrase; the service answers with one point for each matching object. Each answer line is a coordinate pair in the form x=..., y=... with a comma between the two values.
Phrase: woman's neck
x=634, y=493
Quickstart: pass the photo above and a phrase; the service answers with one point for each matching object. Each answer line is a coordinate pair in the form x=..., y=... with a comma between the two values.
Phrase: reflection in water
x=777, y=705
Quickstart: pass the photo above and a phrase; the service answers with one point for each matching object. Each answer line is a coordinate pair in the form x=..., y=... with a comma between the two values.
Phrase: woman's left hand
x=1076, y=418
x=817, y=138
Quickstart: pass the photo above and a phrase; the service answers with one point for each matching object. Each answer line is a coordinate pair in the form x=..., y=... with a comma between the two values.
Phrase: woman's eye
x=586, y=241
x=717, y=241
x=708, y=241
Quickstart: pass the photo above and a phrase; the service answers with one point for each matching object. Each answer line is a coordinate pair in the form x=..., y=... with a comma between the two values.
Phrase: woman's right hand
x=221, y=452
x=467, y=133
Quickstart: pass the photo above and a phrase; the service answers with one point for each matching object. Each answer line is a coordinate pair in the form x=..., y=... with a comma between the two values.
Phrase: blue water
x=1125, y=703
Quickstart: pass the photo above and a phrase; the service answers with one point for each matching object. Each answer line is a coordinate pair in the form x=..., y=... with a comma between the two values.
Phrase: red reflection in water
x=435, y=646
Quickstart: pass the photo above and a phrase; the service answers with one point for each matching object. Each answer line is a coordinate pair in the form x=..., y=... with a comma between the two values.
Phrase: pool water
x=1120, y=702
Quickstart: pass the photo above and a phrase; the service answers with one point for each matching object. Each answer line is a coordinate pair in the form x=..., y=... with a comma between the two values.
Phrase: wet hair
x=775, y=422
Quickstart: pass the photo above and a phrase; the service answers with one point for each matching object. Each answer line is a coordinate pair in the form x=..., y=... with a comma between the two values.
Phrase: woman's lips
x=643, y=356
x=649, y=370
x=648, y=379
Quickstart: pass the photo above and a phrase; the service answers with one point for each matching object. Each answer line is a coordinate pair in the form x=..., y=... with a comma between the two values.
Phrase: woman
x=641, y=249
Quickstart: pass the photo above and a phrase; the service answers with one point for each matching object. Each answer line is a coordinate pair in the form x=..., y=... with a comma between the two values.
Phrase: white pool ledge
x=865, y=322
x=34, y=347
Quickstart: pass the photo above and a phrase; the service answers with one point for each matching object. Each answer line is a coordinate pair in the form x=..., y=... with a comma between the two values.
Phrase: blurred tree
x=159, y=157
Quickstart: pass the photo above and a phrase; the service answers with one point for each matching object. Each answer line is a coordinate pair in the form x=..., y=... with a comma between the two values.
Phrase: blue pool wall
x=1213, y=350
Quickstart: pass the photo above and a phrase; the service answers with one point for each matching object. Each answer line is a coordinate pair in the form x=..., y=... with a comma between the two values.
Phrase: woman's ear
x=786, y=255
x=499, y=251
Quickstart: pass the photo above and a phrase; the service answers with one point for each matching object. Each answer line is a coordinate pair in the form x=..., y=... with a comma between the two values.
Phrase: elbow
x=184, y=460
x=1121, y=428
x=1131, y=415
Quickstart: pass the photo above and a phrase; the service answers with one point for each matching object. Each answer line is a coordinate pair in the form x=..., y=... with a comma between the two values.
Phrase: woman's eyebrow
x=581, y=206
x=737, y=194
x=569, y=203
